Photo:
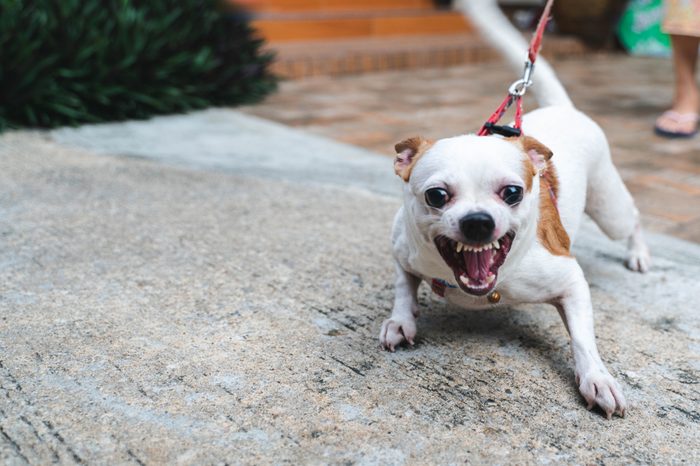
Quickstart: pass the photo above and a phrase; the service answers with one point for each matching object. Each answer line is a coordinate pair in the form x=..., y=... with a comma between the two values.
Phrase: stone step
x=335, y=5
x=321, y=25
x=360, y=55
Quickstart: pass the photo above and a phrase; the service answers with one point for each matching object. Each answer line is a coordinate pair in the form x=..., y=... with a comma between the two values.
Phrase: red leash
x=518, y=88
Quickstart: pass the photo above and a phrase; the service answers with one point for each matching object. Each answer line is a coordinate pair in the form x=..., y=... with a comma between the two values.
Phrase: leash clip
x=519, y=87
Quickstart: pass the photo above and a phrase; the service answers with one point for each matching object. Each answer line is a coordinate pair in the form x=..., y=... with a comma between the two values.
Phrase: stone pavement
x=621, y=93
x=206, y=289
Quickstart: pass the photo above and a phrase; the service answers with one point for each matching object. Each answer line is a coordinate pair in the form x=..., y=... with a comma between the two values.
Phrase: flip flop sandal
x=679, y=119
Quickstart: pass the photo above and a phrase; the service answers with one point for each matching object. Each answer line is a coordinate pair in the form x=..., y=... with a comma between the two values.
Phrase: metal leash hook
x=519, y=87
x=516, y=91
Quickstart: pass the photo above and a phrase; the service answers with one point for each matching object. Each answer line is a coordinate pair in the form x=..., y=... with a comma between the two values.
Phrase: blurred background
x=371, y=73
x=334, y=37
x=72, y=62
x=364, y=72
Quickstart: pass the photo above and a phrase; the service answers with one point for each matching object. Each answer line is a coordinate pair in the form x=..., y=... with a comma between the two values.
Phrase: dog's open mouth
x=475, y=267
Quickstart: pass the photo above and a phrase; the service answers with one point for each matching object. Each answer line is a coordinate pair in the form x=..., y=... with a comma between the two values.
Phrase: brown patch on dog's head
x=530, y=172
x=407, y=154
x=538, y=152
x=537, y=156
x=550, y=230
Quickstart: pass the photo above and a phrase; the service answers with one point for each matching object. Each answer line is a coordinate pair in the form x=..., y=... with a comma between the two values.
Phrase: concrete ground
x=209, y=288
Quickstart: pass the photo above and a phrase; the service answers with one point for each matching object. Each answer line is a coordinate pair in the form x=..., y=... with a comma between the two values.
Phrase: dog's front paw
x=600, y=388
x=396, y=331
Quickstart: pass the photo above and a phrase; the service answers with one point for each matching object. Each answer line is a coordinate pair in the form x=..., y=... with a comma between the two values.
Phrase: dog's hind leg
x=401, y=326
x=638, y=257
x=610, y=205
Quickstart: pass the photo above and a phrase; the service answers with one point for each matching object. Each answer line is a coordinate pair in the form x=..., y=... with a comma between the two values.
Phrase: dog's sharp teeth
x=496, y=245
x=459, y=246
x=490, y=278
x=464, y=279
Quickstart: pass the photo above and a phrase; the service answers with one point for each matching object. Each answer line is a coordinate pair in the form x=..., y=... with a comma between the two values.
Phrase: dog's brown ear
x=407, y=154
x=539, y=153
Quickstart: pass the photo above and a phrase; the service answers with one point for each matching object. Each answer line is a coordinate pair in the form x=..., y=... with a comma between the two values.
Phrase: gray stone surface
x=214, y=310
x=245, y=144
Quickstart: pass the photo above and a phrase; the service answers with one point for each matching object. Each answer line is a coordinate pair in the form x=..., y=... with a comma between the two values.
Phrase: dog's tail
x=495, y=27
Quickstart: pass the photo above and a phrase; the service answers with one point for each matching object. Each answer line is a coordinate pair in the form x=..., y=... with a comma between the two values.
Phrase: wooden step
x=353, y=56
x=328, y=5
x=384, y=23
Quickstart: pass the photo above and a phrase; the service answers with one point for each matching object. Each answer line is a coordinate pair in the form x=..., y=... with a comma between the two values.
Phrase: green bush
x=66, y=62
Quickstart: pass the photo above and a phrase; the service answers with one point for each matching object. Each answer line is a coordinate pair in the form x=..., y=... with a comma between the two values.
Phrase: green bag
x=639, y=29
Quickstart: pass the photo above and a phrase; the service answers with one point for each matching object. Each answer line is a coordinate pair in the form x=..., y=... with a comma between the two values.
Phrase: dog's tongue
x=478, y=264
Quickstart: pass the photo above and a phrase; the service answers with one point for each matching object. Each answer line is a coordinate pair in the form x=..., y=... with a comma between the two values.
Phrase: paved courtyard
x=623, y=94
x=208, y=289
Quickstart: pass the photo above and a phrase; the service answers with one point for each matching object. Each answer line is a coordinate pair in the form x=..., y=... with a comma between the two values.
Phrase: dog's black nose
x=477, y=227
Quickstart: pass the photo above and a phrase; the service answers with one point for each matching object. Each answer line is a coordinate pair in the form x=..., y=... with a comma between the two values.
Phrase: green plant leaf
x=74, y=61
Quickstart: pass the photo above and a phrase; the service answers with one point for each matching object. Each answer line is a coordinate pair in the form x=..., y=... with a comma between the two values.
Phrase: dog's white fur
x=473, y=167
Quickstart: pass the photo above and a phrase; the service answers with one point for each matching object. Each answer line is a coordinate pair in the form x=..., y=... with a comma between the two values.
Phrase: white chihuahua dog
x=491, y=219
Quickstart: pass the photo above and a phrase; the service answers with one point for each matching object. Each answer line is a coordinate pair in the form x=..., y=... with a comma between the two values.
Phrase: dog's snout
x=477, y=227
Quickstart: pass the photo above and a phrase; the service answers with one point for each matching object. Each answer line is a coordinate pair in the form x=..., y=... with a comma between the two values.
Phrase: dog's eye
x=512, y=195
x=436, y=197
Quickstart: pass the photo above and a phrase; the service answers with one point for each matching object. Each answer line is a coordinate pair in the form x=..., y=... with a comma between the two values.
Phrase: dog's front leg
x=594, y=381
x=401, y=326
